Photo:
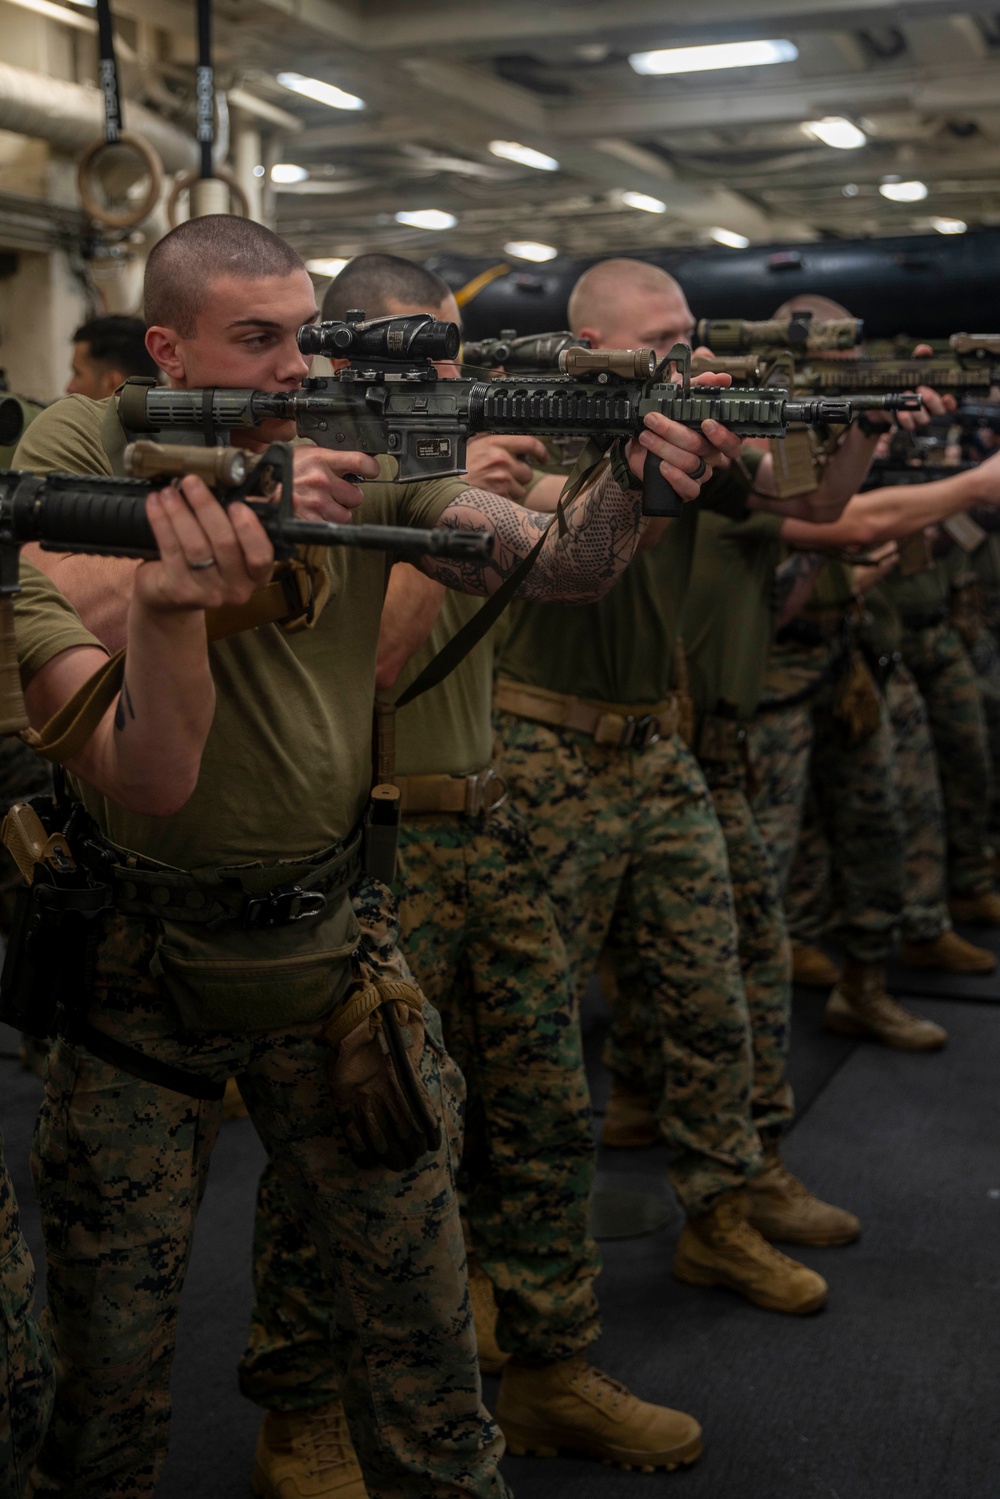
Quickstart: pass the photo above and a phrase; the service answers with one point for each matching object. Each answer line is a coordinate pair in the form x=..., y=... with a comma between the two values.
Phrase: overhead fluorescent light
x=903, y=192
x=729, y=237
x=643, y=201
x=288, y=171
x=950, y=226
x=427, y=218
x=837, y=132
x=718, y=55
x=329, y=268
x=525, y=156
x=323, y=93
x=529, y=249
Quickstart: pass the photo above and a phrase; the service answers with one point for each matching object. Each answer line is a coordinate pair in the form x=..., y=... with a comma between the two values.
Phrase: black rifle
x=68, y=513
x=391, y=400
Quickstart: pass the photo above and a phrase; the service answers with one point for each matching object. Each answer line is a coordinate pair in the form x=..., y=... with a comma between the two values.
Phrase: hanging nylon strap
x=205, y=88
x=107, y=73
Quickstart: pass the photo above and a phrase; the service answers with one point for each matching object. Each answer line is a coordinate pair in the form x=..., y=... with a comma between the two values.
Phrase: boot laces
x=601, y=1388
x=884, y=1007
x=787, y=1182
x=744, y=1236
x=324, y=1442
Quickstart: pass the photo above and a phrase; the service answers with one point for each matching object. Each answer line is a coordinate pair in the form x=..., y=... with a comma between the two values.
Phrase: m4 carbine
x=390, y=400
x=800, y=333
x=69, y=513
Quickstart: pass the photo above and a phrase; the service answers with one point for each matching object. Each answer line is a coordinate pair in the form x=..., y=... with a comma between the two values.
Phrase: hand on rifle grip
x=658, y=496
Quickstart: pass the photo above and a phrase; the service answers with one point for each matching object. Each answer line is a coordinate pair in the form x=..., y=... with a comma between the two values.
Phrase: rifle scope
x=11, y=421
x=538, y=351
x=392, y=340
x=799, y=333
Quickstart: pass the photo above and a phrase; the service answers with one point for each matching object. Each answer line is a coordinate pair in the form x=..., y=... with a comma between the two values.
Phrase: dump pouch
x=237, y=979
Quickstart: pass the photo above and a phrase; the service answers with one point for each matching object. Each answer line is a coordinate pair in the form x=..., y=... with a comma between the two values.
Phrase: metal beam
x=460, y=23
x=920, y=88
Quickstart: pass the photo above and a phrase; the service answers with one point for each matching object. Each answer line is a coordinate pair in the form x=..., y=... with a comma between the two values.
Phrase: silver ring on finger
x=197, y=567
x=700, y=471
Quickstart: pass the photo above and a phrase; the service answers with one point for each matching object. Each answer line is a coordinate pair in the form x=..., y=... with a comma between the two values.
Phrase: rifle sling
x=468, y=637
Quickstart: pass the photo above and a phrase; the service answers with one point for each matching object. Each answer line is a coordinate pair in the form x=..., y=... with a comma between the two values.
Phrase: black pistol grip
x=659, y=497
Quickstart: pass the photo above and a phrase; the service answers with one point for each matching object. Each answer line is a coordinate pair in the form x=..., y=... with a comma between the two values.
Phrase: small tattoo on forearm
x=124, y=701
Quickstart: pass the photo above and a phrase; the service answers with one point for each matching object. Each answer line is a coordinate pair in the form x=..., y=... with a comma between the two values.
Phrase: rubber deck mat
x=890, y=1390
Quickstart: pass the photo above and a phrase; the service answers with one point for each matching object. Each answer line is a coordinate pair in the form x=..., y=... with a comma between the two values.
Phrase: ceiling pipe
x=71, y=117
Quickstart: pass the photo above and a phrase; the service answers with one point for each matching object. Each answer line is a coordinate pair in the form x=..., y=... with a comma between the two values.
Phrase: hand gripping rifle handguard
x=390, y=400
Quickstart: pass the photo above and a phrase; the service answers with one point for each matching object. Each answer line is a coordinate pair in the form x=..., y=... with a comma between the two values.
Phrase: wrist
x=620, y=471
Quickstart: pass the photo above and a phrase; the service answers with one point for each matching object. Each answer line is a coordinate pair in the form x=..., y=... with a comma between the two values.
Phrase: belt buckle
x=282, y=906
x=480, y=804
x=640, y=733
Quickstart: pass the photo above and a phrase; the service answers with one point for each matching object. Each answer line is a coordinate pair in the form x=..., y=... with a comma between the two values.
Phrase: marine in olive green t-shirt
x=727, y=621
x=621, y=649
x=287, y=766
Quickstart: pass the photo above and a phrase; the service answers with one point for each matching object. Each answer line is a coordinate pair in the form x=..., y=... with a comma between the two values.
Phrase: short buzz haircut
x=184, y=263
x=117, y=343
x=371, y=282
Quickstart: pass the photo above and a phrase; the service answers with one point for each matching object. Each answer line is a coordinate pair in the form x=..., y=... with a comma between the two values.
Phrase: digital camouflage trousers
x=479, y=933
x=925, y=911
x=764, y=958
x=26, y=1382
x=631, y=835
x=804, y=746
x=984, y=653
x=120, y=1167
x=944, y=674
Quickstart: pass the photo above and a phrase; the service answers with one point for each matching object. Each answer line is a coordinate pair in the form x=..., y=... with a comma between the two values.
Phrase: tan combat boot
x=720, y=1248
x=484, y=1314
x=233, y=1106
x=628, y=1122
x=307, y=1455
x=859, y=1006
x=948, y=953
x=976, y=910
x=812, y=968
x=572, y=1408
x=782, y=1207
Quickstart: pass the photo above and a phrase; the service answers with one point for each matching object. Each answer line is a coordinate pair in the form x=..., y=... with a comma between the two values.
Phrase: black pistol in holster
x=48, y=969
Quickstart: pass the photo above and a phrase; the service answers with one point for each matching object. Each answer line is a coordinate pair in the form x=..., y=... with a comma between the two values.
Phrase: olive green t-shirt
x=287, y=765
x=448, y=730
x=728, y=618
x=620, y=649
x=921, y=593
x=46, y=623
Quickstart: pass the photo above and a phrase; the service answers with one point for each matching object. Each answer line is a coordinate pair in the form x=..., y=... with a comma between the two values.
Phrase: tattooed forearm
x=602, y=530
x=794, y=582
x=124, y=701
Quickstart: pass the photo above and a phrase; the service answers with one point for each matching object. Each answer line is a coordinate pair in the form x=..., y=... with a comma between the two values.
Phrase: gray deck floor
x=890, y=1391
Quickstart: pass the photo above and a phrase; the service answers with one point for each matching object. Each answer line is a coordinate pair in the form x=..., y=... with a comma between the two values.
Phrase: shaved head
x=823, y=309
x=629, y=304
x=184, y=263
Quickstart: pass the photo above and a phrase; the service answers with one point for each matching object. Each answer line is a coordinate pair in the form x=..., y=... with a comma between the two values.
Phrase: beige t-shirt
x=287, y=765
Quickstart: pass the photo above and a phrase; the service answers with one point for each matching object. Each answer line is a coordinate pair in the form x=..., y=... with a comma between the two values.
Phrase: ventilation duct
x=71, y=117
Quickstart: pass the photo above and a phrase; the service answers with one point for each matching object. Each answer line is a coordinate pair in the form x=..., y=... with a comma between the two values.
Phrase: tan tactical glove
x=377, y=1038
